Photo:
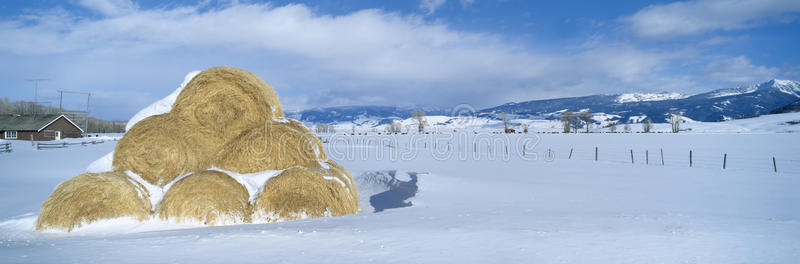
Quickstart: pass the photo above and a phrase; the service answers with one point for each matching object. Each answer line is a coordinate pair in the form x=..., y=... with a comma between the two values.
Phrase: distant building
x=40, y=128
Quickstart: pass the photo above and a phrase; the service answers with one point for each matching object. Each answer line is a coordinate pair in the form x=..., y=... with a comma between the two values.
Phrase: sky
x=437, y=53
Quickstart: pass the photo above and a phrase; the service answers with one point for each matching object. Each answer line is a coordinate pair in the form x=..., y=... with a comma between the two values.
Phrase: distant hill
x=360, y=114
x=793, y=107
x=722, y=104
x=717, y=105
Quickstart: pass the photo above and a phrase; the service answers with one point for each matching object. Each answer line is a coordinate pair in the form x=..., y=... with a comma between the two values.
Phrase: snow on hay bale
x=210, y=197
x=226, y=101
x=272, y=146
x=159, y=150
x=299, y=193
x=343, y=175
x=93, y=196
x=226, y=118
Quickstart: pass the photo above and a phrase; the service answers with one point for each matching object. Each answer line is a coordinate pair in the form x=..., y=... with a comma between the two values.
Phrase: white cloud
x=738, y=70
x=687, y=18
x=366, y=44
x=365, y=57
x=431, y=5
x=109, y=7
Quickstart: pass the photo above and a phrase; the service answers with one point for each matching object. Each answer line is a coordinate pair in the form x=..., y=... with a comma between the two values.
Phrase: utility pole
x=36, y=92
x=75, y=113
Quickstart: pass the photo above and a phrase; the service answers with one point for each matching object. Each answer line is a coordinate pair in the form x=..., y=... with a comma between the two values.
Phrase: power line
x=36, y=92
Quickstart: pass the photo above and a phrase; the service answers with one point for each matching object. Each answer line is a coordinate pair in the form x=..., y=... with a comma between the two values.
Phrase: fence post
x=646, y=156
x=774, y=166
x=662, y=157
x=724, y=161
x=523, y=149
x=690, y=158
x=631, y=156
x=570, y=153
x=37, y=145
x=32, y=143
x=595, y=153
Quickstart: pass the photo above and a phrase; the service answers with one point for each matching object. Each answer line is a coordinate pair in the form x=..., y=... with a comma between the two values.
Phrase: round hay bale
x=271, y=146
x=226, y=101
x=93, y=196
x=299, y=193
x=343, y=175
x=209, y=197
x=159, y=150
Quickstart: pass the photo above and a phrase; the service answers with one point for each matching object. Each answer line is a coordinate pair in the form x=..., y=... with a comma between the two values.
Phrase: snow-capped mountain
x=360, y=114
x=721, y=104
x=642, y=97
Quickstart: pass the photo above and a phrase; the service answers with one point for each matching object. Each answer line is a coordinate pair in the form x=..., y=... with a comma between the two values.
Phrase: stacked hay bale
x=93, y=196
x=271, y=146
x=224, y=101
x=301, y=192
x=158, y=151
x=212, y=197
x=224, y=119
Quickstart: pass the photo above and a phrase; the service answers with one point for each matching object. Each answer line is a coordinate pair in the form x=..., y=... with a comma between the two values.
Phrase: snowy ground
x=778, y=123
x=475, y=204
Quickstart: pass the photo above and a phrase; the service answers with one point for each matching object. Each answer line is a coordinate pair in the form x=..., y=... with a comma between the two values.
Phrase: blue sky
x=430, y=52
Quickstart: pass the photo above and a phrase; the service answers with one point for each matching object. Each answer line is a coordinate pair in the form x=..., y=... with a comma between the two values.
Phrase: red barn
x=41, y=127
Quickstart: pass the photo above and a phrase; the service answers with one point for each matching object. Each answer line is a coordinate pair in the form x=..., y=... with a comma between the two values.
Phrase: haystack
x=299, y=193
x=93, y=196
x=159, y=150
x=226, y=101
x=271, y=146
x=336, y=170
x=210, y=197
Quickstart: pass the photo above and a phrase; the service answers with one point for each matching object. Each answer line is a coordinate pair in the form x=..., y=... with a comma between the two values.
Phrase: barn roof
x=28, y=122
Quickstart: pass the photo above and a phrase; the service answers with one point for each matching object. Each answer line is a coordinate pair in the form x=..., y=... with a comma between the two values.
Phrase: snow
x=444, y=124
x=473, y=207
x=102, y=164
x=162, y=106
x=733, y=91
x=787, y=87
x=253, y=182
x=644, y=97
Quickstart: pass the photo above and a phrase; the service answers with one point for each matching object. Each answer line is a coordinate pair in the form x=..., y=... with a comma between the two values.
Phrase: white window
x=11, y=134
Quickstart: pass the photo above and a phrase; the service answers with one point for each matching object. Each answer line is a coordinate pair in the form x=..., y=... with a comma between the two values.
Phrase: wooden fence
x=40, y=145
x=5, y=147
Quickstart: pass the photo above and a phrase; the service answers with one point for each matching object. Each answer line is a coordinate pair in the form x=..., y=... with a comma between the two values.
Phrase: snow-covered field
x=778, y=123
x=475, y=203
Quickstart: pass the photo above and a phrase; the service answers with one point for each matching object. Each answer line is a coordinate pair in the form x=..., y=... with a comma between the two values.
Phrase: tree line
x=95, y=125
x=571, y=121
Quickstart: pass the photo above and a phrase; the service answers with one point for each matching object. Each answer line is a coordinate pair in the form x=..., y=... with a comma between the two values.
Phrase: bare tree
x=576, y=122
x=525, y=128
x=322, y=128
x=507, y=129
x=627, y=128
x=566, y=121
x=647, y=125
x=419, y=116
x=675, y=121
x=613, y=127
x=586, y=117
x=393, y=127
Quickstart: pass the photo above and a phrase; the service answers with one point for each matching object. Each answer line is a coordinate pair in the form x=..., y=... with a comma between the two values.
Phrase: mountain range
x=716, y=105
